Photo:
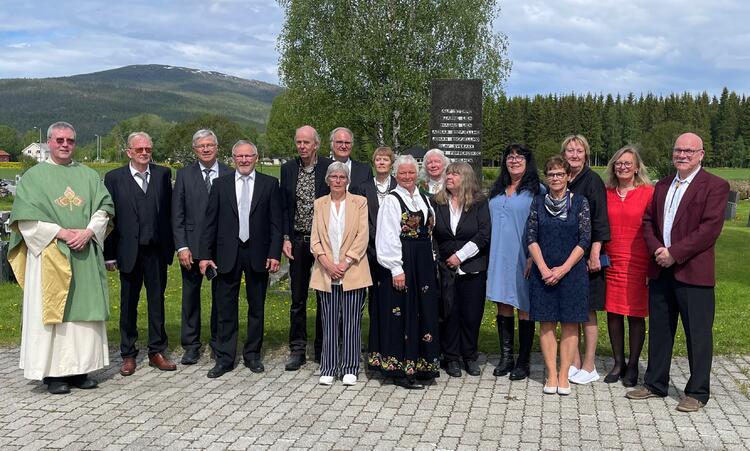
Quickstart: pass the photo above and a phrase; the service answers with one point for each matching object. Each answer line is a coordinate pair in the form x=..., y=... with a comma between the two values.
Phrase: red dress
x=627, y=289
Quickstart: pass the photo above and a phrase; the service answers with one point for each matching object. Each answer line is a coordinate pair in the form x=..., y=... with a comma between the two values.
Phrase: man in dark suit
x=342, y=140
x=242, y=234
x=141, y=247
x=189, y=200
x=302, y=181
x=681, y=227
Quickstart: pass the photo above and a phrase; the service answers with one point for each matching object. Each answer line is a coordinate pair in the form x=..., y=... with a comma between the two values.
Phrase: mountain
x=95, y=102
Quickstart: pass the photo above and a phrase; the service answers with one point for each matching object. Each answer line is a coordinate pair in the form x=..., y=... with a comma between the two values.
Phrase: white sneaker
x=583, y=377
x=572, y=372
x=325, y=380
x=350, y=379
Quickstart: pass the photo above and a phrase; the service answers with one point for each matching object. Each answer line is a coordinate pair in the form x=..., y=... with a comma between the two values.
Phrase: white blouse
x=388, y=235
x=336, y=222
x=469, y=249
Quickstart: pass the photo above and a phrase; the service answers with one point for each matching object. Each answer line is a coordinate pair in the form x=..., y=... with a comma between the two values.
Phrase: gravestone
x=731, y=210
x=456, y=120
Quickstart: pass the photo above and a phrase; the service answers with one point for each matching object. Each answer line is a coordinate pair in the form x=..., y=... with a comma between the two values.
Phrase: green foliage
x=177, y=142
x=368, y=65
x=9, y=140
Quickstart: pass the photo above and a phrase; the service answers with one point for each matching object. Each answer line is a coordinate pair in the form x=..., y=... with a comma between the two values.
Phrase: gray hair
x=423, y=175
x=337, y=166
x=404, y=159
x=204, y=133
x=134, y=135
x=315, y=133
x=60, y=124
x=340, y=129
x=244, y=142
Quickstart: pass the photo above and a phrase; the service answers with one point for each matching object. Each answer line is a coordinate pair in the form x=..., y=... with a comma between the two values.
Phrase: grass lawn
x=730, y=335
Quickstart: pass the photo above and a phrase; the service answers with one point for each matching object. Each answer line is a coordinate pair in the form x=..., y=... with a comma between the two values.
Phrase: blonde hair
x=580, y=139
x=641, y=173
x=468, y=191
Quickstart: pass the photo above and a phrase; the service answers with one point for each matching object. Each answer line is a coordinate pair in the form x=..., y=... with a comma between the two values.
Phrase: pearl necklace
x=622, y=196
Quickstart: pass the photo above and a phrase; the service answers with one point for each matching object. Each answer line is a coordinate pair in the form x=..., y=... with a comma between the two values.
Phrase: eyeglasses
x=141, y=150
x=343, y=143
x=515, y=157
x=61, y=141
x=249, y=157
x=556, y=175
x=687, y=152
x=205, y=146
x=624, y=164
x=337, y=177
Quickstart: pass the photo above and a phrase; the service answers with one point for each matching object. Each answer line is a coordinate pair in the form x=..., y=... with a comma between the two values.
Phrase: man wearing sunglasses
x=141, y=247
x=59, y=220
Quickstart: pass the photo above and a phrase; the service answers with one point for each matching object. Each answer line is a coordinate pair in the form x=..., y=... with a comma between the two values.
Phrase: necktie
x=144, y=177
x=207, y=180
x=244, y=209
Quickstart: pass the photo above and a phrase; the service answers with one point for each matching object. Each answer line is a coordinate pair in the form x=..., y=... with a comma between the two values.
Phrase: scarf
x=558, y=207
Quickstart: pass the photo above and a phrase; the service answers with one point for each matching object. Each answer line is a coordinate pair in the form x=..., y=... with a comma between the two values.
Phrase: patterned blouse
x=305, y=193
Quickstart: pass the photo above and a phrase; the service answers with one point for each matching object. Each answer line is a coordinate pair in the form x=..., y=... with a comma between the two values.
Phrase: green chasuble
x=68, y=196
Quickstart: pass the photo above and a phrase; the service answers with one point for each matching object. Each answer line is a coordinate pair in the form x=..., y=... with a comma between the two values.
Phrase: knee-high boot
x=505, y=329
x=525, y=341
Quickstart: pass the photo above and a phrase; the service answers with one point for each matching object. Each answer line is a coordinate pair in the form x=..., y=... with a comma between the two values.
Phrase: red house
x=4, y=156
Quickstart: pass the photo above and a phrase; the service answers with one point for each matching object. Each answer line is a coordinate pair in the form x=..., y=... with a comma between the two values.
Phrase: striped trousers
x=338, y=307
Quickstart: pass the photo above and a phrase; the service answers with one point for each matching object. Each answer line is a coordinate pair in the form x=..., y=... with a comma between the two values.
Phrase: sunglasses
x=62, y=141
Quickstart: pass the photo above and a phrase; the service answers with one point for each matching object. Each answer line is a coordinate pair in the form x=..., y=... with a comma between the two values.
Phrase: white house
x=36, y=151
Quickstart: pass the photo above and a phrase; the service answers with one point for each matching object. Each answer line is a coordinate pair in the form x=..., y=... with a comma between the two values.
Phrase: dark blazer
x=474, y=225
x=219, y=239
x=369, y=191
x=361, y=172
x=289, y=174
x=697, y=225
x=589, y=184
x=122, y=243
x=189, y=201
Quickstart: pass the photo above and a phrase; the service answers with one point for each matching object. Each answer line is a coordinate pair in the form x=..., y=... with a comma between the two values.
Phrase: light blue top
x=505, y=280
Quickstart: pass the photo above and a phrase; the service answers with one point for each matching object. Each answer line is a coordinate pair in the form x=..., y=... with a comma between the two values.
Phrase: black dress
x=590, y=185
x=408, y=320
x=567, y=301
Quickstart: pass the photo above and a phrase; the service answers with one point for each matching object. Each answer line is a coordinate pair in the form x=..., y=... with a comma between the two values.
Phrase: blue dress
x=508, y=250
x=567, y=301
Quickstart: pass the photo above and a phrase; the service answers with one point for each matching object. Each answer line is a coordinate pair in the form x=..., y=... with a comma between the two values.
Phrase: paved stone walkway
x=288, y=410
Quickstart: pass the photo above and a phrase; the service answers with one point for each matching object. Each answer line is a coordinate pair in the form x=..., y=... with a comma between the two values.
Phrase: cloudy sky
x=557, y=46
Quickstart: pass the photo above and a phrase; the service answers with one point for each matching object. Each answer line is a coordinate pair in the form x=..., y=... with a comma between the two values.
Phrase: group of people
x=425, y=248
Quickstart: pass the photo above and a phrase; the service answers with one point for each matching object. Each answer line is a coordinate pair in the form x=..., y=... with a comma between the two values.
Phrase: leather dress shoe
x=190, y=357
x=294, y=362
x=159, y=361
x=128, y=366
x=642, y=393
x=408, y=383
x=453, y=369
x=56, y=385
x=689, y=404
x=83, y=381
x=218, y=370
x=255, y=365
x=472, y=368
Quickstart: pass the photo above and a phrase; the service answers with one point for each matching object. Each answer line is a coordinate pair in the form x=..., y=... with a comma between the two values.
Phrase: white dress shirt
x=211, y=175
x=382, y=188
x=388, y=235
x=433, y=186
x=138, y=179
x=469, y=249
x=672, y=203
x=336, y=223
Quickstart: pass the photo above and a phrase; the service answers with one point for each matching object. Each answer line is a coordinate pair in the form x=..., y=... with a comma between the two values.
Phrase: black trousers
x=190, y=332
x=150, y=269
x=227, y=310
x=460, y=327
x=299, y=275
x=668, y=299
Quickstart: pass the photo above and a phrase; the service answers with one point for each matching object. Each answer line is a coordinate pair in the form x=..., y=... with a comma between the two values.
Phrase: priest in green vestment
x=59, y=220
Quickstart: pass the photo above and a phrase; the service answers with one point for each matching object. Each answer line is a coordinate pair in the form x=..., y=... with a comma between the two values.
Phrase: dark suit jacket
x=697, y=225
x=361, y=172
x=189, y=201
x=289, y=174
x=219, y=239
x=122, y=243
x=369, y=191
x=474, y=225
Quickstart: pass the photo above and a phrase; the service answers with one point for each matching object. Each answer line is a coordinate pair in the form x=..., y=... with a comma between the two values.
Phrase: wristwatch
x=286, y=238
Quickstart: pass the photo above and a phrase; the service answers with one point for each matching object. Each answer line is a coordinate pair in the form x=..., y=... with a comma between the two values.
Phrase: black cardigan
x=474, y=225
x=590, y=185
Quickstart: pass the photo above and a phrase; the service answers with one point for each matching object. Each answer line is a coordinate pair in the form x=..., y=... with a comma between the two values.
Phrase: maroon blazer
x=697, y=225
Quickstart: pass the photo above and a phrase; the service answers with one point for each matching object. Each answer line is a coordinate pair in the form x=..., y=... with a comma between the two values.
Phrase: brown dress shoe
x=128, y=366
x=641, y=393
x=158, y=360
x=689, y=404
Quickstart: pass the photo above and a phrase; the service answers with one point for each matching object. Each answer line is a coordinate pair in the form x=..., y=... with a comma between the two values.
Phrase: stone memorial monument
x=456, y=120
